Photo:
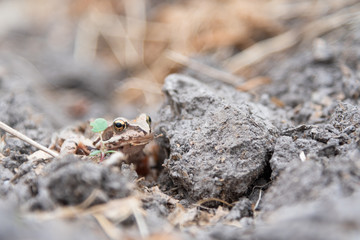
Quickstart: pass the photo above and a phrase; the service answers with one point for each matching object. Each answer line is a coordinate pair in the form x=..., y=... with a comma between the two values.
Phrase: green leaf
x=110, y=151
x=99, y=125
x=94, y=153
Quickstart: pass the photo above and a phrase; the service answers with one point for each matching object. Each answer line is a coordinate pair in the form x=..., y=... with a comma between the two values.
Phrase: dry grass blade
x=107, y=215
x=90, y=199
x=134, y=48
x=214, y=199
x=27, y=139
x=254, y=83
x=204, y=69
x=2, y=144
x=263, y=49
x=143, y=229
x=116, y=210
x=86, y=41
x=108, y=227
x=258, y=201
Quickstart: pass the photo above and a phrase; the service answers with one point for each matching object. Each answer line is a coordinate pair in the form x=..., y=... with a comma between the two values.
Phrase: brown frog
x=123, y=135
x=127, y=136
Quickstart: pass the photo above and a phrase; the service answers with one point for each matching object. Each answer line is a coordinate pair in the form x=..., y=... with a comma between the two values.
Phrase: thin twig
x=260, y=186
x=27, y=139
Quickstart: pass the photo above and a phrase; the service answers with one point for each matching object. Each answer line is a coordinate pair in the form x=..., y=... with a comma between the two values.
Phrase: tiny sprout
x=99, y=125
x=94, y=153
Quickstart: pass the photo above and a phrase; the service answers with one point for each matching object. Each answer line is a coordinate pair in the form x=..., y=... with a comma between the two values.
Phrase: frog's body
x=127, y=136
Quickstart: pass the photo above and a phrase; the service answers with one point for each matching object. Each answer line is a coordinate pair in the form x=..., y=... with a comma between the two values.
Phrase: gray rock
x=218, y=144
x=70, y=181
x=221, y=232
x=6, y=174
x=346, y=115
x=241, y=209
x=321, y=143
x=309, y=181
x=334, y=218
x=287, y=151
x=14, y=225
x=17, y=112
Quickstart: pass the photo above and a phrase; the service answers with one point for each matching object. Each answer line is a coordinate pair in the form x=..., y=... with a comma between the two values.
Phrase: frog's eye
x=120, y=125
x=148, y=120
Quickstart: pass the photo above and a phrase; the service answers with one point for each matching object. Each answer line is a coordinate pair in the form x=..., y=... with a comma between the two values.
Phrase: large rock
x=219, y=143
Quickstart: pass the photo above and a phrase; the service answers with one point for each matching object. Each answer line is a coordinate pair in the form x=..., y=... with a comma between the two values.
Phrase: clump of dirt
x=218, y=144
x=70, y=181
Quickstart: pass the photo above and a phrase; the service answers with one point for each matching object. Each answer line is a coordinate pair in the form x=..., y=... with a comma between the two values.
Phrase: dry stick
x=204, y=69
x=143, y=229
x=86, y=39
x=118, y=31
x=135, y=9
x=260, y=50
x=284, y=41
x=108, y=227
x=27, y=139
x=214, y=199
x=258, y=201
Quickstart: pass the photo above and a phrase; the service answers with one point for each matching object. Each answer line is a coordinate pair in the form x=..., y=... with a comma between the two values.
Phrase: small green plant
x=98, y=126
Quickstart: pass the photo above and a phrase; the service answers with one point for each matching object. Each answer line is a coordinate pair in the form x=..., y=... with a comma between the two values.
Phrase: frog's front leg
x=74, y=146
x=71, y=143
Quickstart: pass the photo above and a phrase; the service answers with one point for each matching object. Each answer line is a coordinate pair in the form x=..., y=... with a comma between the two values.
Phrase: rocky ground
x=282, y=162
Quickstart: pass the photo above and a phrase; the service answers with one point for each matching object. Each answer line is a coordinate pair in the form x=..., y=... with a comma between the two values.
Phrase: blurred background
x=107, y=58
